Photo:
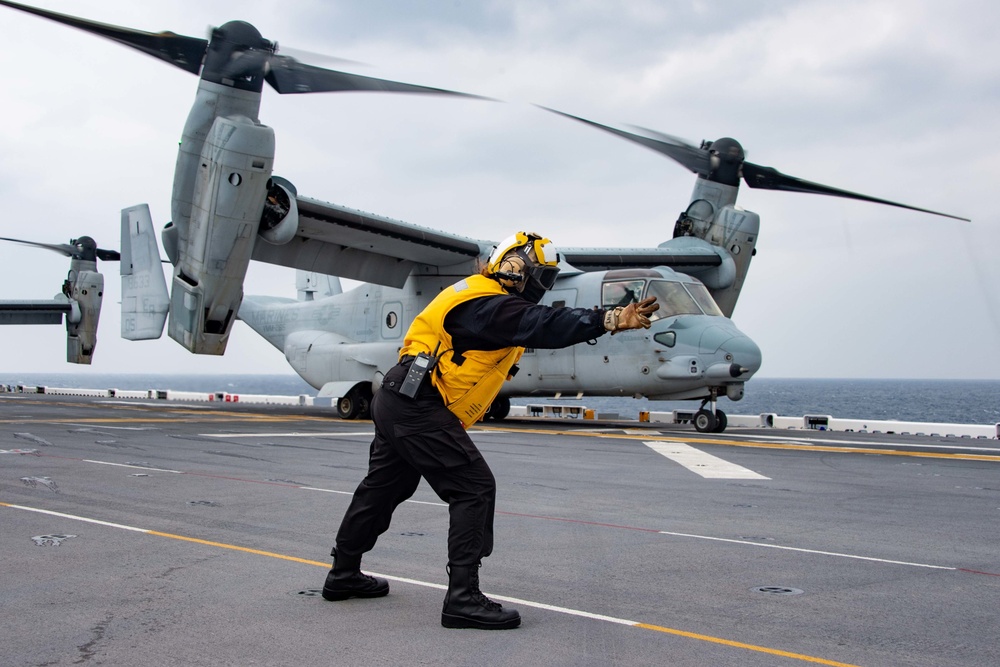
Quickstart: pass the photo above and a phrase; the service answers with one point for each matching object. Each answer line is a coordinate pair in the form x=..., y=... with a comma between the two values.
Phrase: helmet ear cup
x=512, y=263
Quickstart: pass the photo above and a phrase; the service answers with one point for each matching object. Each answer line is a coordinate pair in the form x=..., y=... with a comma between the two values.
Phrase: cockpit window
x=704, y=298
x=675, y=298
x=621, y=292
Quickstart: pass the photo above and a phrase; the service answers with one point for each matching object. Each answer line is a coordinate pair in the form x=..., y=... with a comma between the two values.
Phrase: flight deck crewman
x=467, y=341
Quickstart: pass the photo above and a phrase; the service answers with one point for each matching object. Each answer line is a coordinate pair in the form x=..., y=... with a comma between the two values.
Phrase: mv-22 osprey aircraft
x=79, y=301
x=228, y=208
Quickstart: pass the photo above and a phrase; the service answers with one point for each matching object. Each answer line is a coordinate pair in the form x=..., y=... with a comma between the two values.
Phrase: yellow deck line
x=201, y=416
x=846, y=449
x=187, y=418
x=539, y=605
x=192, y=417
x=750, y=647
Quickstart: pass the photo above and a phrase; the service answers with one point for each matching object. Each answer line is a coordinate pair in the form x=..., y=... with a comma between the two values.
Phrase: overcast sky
x=899, y=99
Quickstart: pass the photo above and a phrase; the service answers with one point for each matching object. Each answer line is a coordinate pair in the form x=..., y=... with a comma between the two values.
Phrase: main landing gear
x=498, y=410
x=711, y=420
x=356, y=404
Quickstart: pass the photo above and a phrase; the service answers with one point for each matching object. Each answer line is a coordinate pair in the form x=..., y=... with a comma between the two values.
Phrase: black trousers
x=417, y=437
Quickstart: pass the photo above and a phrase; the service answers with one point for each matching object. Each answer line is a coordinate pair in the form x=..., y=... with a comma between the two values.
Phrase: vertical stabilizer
x=311, y=286
x=144, y=289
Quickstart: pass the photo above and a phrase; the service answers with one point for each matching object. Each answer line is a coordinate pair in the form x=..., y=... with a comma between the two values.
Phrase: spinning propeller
x=236, y=51
x=84, y=248
x=723, y=161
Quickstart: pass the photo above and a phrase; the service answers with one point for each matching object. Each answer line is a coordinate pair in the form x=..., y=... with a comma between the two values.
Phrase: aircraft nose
x=729, y=343
x=718, y=351
x=744, y=353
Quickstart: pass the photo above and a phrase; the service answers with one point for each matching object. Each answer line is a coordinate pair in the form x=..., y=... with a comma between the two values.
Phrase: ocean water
x=945, y=401
x=939, y=401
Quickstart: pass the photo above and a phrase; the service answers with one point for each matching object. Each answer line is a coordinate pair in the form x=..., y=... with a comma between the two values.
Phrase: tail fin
x=312, y=286
x=144, y=289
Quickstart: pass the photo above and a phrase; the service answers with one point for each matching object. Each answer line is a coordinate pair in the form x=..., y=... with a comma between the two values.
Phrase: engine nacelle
x=736, y=230
x=280, y=220
x=85, y=290
x=229, y=194
x=714, y=217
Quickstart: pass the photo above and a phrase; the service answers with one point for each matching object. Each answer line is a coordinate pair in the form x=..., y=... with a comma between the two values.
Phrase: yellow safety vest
x=468, y=387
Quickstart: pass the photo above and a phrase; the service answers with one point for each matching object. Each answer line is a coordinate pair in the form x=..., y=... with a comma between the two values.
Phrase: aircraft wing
x=33, y=312
x=604, y=259
x=340, y=241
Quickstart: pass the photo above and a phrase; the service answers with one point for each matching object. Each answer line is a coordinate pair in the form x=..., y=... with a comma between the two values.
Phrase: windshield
x=704, y=298
x=621, y=292
x=675, y=298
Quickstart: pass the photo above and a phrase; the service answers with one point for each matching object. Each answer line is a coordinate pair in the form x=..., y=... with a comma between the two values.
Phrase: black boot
x=465, y=606
x=346, y=580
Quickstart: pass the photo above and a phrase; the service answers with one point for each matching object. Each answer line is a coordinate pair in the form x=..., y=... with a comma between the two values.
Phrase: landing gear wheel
x=365, y=406
x=704, y=421
x=498, y=410
x=720, y=422
x=356, y=404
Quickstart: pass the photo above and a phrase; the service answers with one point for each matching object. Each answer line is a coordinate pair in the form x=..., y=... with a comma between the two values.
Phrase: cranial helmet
x=526, y=264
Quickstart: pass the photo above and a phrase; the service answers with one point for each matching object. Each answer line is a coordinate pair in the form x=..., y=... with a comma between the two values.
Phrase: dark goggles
x=543, y=275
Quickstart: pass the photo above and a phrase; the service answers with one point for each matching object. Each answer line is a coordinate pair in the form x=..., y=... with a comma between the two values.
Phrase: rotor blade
x=314, y=58
x=184, y=52
x=768, y=178
x=68, y=249
x=288, y=75
x=690, y=157
x=61, y=248
x=109, y=255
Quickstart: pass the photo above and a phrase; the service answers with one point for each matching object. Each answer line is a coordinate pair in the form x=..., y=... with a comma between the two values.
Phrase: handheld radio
x=419, y=367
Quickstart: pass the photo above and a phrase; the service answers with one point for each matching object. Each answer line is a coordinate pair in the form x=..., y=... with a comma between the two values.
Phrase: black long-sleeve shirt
x=495, y=322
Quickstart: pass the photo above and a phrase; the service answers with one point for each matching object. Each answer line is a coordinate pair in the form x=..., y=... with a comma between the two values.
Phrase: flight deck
x=161, y=533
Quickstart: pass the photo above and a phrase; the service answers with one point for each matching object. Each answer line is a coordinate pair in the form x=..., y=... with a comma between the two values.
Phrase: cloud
x=890, y=98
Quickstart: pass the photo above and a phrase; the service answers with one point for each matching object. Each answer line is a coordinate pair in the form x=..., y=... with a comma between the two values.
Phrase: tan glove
x=632, y=316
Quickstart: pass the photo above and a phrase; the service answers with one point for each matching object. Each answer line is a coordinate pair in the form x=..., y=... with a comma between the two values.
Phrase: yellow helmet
x=525, y=263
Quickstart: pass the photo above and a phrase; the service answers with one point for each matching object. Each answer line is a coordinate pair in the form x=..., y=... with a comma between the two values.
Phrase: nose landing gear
x=711, y=420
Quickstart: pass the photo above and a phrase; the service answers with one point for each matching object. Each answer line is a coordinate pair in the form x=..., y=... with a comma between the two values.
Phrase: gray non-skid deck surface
x=621, y=555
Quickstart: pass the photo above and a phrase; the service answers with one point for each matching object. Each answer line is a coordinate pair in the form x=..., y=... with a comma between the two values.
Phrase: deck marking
x=424, y=502
x=316, y=488
x=155, y=402
x=867, y=443
x=351, y=493
x=697, y=461
x=129, y=465
x=217, y=418
x=294, y=434
x=120, y=428
x=811, y=551
x=568, y=520
x=750, y=444
x=427, y=584
x=74, y=517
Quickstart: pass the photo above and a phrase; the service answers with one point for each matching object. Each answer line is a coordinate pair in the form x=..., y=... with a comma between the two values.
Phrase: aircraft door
x=557, y=365
x=392, y=320
x=560, y=298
